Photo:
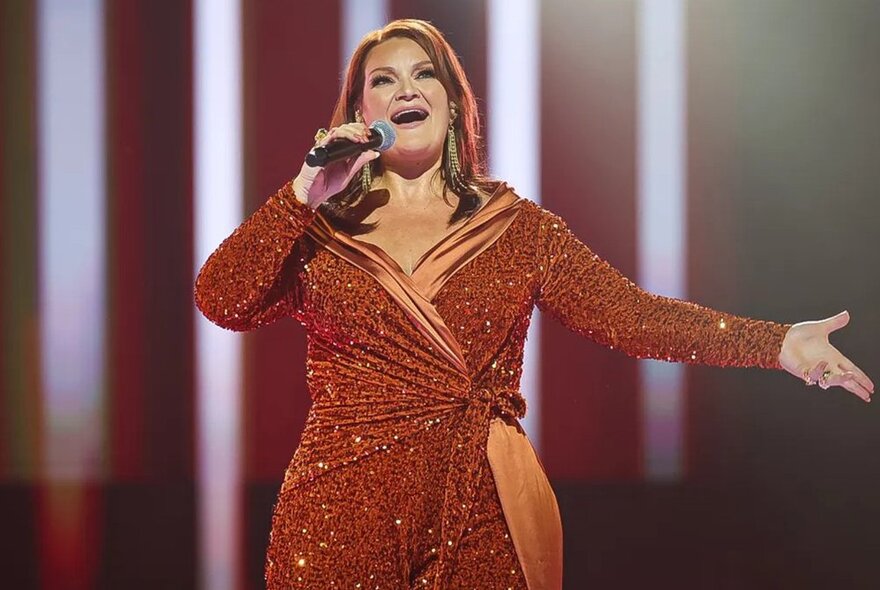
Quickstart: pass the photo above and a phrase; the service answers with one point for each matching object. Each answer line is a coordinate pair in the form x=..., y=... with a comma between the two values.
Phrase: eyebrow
x=390, y=69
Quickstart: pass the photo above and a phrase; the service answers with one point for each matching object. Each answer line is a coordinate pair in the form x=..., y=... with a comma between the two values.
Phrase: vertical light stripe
x=218, y=211
x=72, y=241
x=359, y=17
x=513, y=111
x=661, y=215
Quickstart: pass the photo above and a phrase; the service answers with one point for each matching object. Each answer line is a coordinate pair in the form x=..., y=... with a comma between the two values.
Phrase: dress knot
x=502, y=401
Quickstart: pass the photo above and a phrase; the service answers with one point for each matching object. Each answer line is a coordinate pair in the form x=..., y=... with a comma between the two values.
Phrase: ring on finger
x=807, y=380
x=320, y=134
x=823, y=380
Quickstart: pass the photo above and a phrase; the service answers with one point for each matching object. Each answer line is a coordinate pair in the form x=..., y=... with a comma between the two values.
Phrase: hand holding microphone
x=336, y=158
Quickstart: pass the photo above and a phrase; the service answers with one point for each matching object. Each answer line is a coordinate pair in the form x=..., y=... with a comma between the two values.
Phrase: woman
x=415, y=277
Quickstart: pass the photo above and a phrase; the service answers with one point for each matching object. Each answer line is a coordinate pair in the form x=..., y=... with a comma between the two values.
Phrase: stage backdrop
x=103, y=445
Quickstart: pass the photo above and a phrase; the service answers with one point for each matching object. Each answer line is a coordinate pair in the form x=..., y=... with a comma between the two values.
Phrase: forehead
x=398, y=52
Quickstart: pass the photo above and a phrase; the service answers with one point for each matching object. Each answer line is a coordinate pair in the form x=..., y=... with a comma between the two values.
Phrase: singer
x=415, y=275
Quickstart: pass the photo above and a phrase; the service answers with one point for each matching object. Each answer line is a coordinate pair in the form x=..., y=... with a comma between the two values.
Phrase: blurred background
x=722, y=151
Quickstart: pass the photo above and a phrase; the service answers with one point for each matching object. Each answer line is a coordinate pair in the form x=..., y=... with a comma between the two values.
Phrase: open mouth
x=409, y=116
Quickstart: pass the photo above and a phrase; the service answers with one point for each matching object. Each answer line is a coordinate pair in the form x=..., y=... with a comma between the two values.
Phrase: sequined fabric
x=392, y=486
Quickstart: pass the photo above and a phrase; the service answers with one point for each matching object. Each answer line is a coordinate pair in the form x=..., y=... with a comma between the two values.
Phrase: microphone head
x=386, y=131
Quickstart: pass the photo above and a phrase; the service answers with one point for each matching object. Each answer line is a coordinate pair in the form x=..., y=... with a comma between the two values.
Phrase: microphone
x=381, y=135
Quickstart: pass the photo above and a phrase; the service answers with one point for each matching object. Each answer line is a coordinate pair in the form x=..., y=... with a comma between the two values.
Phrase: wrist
x=300, y=193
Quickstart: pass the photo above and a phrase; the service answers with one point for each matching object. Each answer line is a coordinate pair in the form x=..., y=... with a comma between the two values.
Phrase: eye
x=429, y=73
x=379, y=80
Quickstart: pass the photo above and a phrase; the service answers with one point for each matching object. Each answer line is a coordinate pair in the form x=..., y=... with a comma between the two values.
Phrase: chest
x=407, y=237
x=479, y=299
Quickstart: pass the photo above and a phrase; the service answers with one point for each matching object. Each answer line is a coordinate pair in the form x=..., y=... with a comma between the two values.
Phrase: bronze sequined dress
x=412, y=471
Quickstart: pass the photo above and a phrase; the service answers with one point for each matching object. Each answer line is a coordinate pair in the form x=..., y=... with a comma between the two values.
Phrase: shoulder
x=533, y=223
x=534, y=213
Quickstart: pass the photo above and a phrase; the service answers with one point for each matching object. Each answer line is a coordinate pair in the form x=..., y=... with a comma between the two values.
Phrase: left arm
x=591, y=297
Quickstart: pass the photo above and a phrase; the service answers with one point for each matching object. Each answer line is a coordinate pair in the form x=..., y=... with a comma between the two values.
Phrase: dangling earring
x=453, y=166
x=366, y=177
x=366, y=170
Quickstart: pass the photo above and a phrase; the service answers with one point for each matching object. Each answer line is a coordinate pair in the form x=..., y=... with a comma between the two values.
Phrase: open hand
x=807, y=354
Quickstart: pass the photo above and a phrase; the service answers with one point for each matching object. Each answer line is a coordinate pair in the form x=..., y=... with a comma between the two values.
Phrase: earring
x=366, y=178
x=366, y=170
x=453, y=166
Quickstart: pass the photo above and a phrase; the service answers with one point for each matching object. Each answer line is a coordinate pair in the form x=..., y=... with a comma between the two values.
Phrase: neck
x=411, y=183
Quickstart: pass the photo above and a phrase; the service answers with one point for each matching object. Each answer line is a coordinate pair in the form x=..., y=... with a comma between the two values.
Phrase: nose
x=407, y=90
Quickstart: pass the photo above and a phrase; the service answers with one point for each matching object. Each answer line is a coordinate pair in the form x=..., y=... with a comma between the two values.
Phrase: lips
x=410, y=115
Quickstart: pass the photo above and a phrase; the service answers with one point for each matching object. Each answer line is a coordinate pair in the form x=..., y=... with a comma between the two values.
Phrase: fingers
x=350, y=131
x=848, y=382
x=851, y=380
x=838, y=321
x=811, y=376
x=847, y=366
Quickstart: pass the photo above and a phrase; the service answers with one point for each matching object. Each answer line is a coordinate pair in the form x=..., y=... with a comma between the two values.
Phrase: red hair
x=450, y=73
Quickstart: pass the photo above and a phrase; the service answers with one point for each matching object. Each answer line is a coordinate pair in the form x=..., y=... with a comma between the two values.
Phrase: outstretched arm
x=586, y=294
x=591, y=297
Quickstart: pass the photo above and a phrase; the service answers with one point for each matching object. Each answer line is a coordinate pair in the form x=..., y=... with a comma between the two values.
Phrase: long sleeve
x=589, y=296
x=249, y=280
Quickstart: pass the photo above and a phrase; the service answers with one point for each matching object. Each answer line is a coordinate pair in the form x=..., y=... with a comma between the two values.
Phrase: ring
x=320, y=134
x=823, y=380
x=807, y=379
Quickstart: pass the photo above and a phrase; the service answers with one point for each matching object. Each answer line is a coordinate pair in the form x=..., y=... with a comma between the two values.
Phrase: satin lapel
x=414, y=294
x=397, y=284
x=466, y=243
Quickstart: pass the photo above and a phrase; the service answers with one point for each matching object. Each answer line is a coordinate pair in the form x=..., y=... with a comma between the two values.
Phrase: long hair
x=467, y=124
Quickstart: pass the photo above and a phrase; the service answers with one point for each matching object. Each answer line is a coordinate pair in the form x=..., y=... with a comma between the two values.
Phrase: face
x=401, y=86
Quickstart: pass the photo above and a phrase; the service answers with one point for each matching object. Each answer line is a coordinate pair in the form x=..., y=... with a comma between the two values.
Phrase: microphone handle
x=339, y=149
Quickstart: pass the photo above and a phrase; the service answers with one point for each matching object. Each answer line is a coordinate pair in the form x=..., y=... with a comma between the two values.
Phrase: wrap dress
x=412, y=470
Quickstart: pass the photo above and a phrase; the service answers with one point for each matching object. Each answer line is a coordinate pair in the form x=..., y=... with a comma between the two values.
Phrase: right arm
x=249, y=280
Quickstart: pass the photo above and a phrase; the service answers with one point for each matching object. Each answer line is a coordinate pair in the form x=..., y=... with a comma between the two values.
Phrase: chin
x=409, y=151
